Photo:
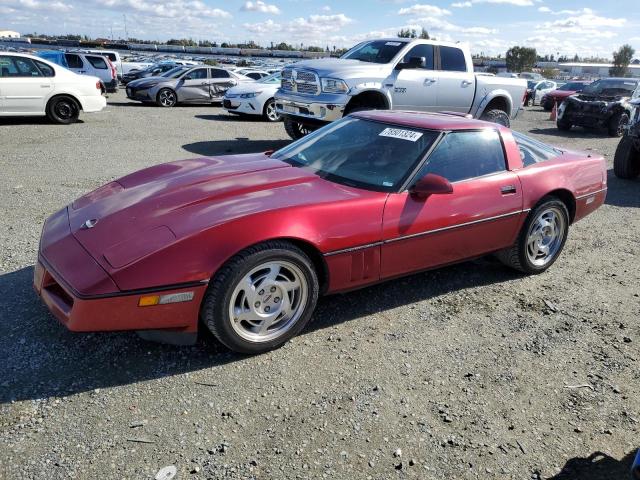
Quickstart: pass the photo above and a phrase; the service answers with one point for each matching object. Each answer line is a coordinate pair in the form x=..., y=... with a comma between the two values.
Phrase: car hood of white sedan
x=250, y=87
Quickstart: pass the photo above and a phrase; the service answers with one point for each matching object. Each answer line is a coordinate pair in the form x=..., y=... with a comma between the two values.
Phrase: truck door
x=456, y=84
x=415, y=86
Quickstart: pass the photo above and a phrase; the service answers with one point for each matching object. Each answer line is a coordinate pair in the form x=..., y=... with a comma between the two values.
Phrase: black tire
x=563, y=125
x=529, y=101
x=296, y=130
x=516, y=256
x=166, y=98
x=271, y=103
x=496, y=116
x=616, y=125
x=63, y=110
x=626, y=162
x=548, y=105
x=214, y=311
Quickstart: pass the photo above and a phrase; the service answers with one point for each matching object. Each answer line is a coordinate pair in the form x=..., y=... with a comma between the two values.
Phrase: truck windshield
x=361, y=153
x=377, y=51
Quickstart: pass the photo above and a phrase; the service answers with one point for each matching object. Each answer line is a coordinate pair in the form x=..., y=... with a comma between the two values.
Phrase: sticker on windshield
x=400, y=133
x=629, y=83
x=393, y=44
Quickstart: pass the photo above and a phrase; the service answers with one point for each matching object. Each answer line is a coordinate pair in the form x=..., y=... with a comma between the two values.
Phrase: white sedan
x=32, y=86
x=254, y=98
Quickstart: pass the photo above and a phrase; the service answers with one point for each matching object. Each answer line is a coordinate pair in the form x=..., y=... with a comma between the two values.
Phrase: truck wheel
x=626, y=162
x=617, y=124
x=63, y=110
x=496, y=116
x=563, y=125
x=296, y=130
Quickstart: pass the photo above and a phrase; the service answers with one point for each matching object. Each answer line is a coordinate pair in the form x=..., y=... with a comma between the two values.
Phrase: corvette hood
x=148, y=210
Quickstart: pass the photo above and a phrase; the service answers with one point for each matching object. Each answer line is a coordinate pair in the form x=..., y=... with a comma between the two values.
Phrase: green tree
x=521, y=59
x=408, y=33
x=621, y=60
x=424, y=34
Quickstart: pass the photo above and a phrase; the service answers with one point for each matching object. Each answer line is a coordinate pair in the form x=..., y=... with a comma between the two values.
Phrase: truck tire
x=617, y=124
x=496, y=116
x=626, y=162
x=563, y=125
x=296, y=130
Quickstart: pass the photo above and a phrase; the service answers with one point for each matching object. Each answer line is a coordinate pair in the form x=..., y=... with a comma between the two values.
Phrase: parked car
x=122, y=66
x=85, y=64
x=557, y=96
x=33, y=86
x=601, y=104
x=536, y=89
x=253, y=74
x=254, y=98
x=153, y=71
x=199, y=84
x=397, y=73
x=247, y=243
x=626, y=162
x=531, y=76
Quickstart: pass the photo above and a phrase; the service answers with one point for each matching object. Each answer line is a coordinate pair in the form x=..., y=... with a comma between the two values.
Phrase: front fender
x=375, y=87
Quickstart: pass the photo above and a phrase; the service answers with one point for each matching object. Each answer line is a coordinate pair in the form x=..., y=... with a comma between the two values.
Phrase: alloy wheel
x=167, y=98
x=545, y=236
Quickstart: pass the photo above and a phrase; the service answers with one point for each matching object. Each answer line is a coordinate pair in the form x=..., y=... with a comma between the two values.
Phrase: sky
x=565, y=27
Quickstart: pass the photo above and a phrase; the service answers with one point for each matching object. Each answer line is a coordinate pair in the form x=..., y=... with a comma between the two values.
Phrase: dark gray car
x=199, y=84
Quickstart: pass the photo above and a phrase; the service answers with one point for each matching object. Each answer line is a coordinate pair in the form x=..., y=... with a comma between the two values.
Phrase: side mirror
x=414, y=62
x=188, y=77
x=431, y=184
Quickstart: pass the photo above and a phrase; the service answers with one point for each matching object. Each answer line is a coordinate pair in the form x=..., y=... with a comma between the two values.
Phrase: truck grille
x=304, y=82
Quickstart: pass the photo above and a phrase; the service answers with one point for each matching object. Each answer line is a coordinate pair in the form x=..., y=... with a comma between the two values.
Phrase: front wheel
x=167, y=98
x=269, y=111
x=261, y=298
x=626, y=162
x=63, y=110
x=563, y=125
x=296, y=130
x=496, y=116
x=541, y=239
x=617, y=124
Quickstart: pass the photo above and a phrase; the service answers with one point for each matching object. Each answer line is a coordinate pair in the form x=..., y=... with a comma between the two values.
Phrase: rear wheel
x=261, y=298
x=563, y=125
x=496, y=116
x=617, y=124
x=63, y=110
x=626, y=162
x=269, y=111
x=548, y=105
x=541, y=239
x=296, y=130
x=167, y=98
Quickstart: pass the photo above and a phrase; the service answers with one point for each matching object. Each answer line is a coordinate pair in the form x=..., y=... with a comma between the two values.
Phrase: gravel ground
x=467, y=372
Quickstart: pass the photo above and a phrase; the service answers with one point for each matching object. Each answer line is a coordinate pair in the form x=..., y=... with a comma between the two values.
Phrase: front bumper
x=241, y=105
x=320, y=108
x=141, y=95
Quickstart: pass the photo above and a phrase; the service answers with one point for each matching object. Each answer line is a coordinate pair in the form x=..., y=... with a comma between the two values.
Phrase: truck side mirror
x=414, y=62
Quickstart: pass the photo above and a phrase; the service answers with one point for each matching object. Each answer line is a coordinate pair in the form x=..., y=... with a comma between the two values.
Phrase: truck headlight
x=250, y=95
x=333, y=85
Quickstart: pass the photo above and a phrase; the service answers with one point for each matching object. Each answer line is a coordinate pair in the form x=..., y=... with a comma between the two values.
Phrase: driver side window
x=425, y=51
x=198, y=74
x=463, y=155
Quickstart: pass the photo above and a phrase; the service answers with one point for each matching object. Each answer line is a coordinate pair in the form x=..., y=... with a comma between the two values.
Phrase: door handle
x=204, y=83
x=508, y=189
x=429, y=81
x=83, y=71
x=45, y=86
x=466, y=83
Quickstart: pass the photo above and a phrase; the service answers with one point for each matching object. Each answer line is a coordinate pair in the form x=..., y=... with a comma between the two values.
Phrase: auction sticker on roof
x=400, y=133
x=393, y=44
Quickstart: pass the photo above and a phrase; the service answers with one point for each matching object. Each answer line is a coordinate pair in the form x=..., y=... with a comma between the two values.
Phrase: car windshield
x=175, y=72
x=531, y=84
x=611, y=87
x=572, y=86
x=273, y=78
x=361, y=153
x=378, y=51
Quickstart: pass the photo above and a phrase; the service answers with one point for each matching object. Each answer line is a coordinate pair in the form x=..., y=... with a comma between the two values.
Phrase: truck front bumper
x=320, y=108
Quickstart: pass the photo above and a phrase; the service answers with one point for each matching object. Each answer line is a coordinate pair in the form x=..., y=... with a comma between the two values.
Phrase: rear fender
x=486, y=100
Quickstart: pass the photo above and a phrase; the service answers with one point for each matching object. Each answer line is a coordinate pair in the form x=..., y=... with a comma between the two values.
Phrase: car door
x=415, y=87
x=221, y=81
x=480, y=216
x=76, y=63
x=456, y=85
x=194, y=86
x=24, y=87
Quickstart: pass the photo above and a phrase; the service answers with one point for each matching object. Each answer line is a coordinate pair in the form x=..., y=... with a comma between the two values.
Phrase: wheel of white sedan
x=270, y=113
x=541, y=239
x=261, y=298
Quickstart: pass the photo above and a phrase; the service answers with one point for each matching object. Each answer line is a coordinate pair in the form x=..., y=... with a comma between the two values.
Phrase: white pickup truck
x=394, y=73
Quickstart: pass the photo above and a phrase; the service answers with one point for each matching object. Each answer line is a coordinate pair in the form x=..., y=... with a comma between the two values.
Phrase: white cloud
x=311, y=30
x=587, y=20
x=326, y=8
x=423, y=9
x=55, y=6
x=260, y=6
x=165, y=8
x=461, y=4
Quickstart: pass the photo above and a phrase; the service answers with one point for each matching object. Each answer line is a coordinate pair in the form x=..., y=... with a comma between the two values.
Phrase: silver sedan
x=199, y=84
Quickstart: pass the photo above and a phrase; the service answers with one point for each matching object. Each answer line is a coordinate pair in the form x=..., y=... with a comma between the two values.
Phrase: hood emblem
x=90, y=223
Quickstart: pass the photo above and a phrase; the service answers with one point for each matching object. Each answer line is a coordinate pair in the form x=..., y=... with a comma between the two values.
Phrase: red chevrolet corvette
x=247, y=243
